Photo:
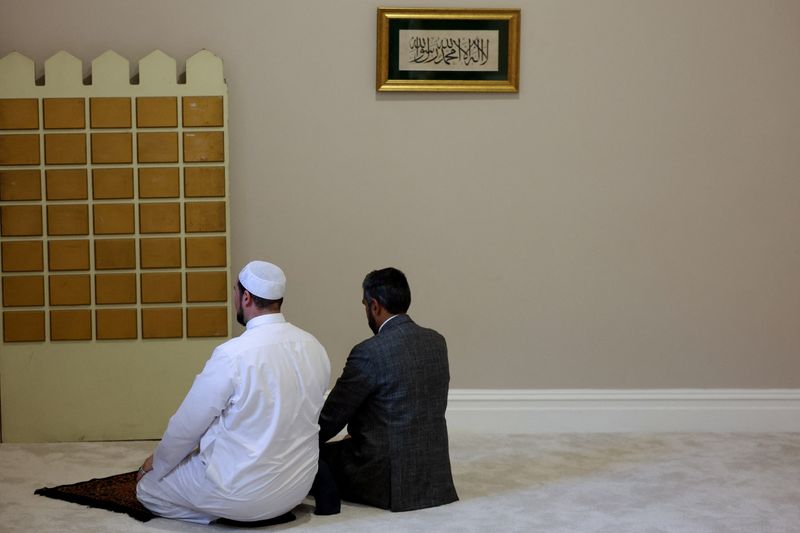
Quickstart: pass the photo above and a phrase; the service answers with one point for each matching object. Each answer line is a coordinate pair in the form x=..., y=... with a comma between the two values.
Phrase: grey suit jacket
x=392, y=395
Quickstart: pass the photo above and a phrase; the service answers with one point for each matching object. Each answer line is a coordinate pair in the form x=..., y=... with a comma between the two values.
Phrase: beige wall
x=630, y=219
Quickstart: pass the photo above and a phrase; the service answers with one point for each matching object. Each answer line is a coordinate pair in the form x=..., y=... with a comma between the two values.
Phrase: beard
x=371, y=322
x=240, y=313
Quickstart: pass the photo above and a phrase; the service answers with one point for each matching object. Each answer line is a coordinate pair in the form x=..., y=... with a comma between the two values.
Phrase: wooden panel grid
x=116, y=324
x=65, y=149
x=204, y=181
x=66, y=184
x=23, y=291
x=115, y=288
x=110, y=112
x=22, y=256
x=64, y=113
x=203, y=146
x=160, y=252
x=160, y=218
x=159, y=182
x=205, y=217
x=70, y=289
x=71, y=325
x=112, y=183
x=161, y=287
x=202, y=111
x=207, y=286
x=20, y=185
x=68, y=254
x=161, y=147
x=114, y=254
x=112, y=219
x=68, y=219
x=157, y=112
x=21, y=326
x=19, y=114
x=112, y=233
x=205, y=252
x=20, y=220
x=162, y=322
x=19, y=149
x=112, y=148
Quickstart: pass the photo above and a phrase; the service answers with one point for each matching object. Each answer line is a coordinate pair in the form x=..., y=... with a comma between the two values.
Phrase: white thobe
x=244, y=443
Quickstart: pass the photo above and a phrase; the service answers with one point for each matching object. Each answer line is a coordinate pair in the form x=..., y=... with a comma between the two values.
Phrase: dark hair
x=389, y=287
x=260, y=302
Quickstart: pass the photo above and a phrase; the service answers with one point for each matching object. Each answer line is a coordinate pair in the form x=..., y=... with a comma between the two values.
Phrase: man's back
x=254, y=409
x=393, y=396
x=266, y=432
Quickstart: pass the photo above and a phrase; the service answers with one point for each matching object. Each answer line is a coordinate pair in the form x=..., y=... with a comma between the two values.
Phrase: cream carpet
x=748, y=483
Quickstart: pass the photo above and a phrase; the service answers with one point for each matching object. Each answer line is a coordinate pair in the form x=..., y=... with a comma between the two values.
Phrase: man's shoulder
x=402, y=332
x=404, y=326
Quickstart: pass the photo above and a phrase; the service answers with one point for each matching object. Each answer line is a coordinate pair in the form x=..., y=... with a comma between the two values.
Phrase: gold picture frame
x=448, y=50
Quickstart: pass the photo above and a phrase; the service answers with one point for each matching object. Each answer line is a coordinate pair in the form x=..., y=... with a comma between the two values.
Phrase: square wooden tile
x=112, y=148
x=72, y=325
x=66, y=184
x=116, y=324
x=115, y=289
x=112, y=183
x=114, y=254
x=160, y=252
x=19, y=291
x=65, y=149
x=68, y=255
x=74, y=289
x=20, y=185
x=111, y=219
x=68, y=219
x=161, y=287
x=157, y=147
x=64, y=113
x=157, y=112
x=203, y=181
x=205, y=216
x=207, y=321
x=202, y=111
x=162, y=323
x=206, y=252
x=160, y=218
x=201, y=146
x=110, y=112
x=20, y=220
x=159, y=182
x=207, y=286
x=22, y=256
x=23, y=326
x=19, y=114
x=20, y=149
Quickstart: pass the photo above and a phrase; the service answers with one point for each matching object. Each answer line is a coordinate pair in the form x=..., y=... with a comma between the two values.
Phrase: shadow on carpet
x=118, y=493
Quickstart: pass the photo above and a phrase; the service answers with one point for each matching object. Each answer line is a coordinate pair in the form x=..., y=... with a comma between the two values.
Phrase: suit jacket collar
x=399, y=319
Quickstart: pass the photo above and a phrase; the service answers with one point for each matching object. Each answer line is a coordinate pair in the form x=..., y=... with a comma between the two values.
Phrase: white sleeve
x=209, y=395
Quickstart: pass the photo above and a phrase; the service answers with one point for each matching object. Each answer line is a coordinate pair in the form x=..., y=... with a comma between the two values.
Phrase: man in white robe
x=244, y=443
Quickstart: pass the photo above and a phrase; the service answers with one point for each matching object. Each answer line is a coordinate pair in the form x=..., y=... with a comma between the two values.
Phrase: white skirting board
x=624, y=411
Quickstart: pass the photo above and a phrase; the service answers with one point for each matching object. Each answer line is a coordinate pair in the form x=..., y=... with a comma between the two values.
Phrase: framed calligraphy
x=454, y=50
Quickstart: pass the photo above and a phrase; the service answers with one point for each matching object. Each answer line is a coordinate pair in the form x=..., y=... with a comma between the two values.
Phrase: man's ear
x=246, y=298
x=375, y=306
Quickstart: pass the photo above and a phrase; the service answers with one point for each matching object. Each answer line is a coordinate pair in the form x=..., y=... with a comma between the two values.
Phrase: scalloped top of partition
x=110, y=71
x=17, y=73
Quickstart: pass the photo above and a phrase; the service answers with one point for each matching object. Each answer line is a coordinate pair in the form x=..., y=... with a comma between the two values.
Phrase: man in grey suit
x=392, y=396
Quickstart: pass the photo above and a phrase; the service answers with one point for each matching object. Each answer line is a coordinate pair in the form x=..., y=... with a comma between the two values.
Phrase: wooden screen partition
x=114, y=244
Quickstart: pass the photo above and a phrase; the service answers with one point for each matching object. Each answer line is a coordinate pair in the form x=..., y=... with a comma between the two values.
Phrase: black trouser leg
x=325, y=491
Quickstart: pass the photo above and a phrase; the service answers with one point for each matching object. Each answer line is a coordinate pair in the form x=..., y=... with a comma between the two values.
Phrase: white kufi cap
x=263, y=279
